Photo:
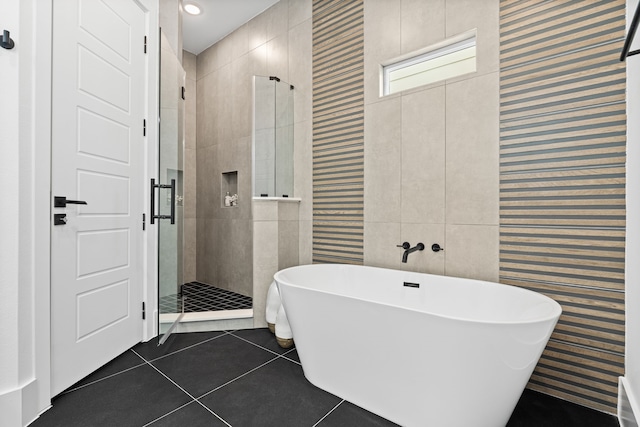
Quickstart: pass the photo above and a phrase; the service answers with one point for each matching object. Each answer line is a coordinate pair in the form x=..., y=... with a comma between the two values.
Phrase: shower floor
x=201, y=297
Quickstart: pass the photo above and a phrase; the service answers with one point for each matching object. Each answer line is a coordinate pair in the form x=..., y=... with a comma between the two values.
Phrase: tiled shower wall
x=562, y=184
x=275, y=43
x=190, y=193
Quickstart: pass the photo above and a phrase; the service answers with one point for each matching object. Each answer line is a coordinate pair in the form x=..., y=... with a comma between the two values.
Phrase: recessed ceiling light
x=192, y=9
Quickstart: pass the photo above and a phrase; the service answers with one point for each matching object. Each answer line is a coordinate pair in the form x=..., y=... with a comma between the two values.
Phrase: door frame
x=37, y=39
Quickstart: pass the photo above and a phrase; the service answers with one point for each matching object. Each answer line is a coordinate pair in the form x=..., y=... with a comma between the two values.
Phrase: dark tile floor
x=240, y=378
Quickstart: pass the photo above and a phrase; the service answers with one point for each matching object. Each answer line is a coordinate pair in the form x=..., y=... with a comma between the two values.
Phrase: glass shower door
x=170, y=191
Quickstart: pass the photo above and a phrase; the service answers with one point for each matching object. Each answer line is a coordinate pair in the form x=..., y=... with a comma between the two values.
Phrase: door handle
x=172, y=186
x=62, y=202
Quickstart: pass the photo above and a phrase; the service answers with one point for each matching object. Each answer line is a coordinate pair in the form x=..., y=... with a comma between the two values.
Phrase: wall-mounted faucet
x=408, y=249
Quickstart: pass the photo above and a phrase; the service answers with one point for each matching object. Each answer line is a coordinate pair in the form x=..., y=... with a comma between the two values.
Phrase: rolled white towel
x=273, y=305
x=284, y=336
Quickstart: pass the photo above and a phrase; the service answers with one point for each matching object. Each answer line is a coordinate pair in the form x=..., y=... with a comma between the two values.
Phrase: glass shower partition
x=170, y=191
x=272, y=138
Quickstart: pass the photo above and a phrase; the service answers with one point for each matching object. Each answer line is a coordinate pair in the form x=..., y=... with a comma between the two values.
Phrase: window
x=452, y=58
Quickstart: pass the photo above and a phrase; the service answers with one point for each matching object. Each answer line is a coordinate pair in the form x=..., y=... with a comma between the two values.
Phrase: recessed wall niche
x=229, y=186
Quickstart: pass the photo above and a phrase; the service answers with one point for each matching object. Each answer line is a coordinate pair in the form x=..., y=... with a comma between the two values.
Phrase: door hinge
x=145, y=44
x=144, y=312
x=144, y=127
x=144, y=222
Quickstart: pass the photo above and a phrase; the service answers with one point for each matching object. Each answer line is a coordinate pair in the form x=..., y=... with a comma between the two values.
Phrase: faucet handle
x=405, y=245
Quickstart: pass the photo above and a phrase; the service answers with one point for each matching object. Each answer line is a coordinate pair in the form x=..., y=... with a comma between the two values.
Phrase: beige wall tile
x=472, y=251
x=423, y=156
x=288, y=240
x=262, y=278
x=380, y=244
x=382, y=161
x=190, y=251
x=225, y=52
x=241, y=98
x=189, y=183
x=277, y=19
x=423, y=23
x=205, y=265
x=239, y=265
x=305, y=230
x=265, y=210
x=472, y=151
x=206, y=182
x=257, y=31
x=465, y=15
x=265, y=242
x=278, y=57
x=288, y=211
x=382, y=42
x=190, y=65
x=299, y=10
x=258, y=60
x=302, y=170
x=239, y=42
x=206, y=61
x=207, y=111
x=223, y=113
x=190, y=114
x=300, y=69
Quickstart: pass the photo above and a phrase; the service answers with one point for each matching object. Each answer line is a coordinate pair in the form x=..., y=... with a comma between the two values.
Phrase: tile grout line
x=104, y=378
x=143, y=363
x=183, y=390
x=328, y=413
x=281, y=355
x=237, y=378
x=186, y=348
x=167, y=414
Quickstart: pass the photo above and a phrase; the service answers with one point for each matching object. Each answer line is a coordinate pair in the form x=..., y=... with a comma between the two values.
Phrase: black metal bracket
x=6, y=41
x=632, y=32
x=171, y=217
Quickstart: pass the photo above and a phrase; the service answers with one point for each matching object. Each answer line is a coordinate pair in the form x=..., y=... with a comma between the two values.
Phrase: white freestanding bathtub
x=417, y=349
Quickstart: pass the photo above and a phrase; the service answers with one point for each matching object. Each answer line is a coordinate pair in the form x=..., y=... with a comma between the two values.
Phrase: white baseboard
x=19, y=407
x=628, y=410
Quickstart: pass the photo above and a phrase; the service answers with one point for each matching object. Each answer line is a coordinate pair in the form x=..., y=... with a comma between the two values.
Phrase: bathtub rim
x=557, y=312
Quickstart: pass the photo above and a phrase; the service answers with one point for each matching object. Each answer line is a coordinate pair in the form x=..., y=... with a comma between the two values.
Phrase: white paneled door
x=97, y=157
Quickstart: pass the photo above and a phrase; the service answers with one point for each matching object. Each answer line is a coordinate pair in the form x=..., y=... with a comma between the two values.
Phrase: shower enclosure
x=215, y=296
x=181, y=303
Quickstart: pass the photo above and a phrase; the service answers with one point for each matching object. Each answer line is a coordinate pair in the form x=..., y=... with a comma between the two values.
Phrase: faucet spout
x=418, y=247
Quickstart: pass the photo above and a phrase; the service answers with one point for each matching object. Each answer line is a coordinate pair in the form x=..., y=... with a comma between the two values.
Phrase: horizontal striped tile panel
x=510, y=8
x=547, y=19
x=567, y=92
x=602, y=117
x=579, y=374
x=563, y=40
x=562, y=183
x=338, y=131
x=593, y=58
x=582, y=322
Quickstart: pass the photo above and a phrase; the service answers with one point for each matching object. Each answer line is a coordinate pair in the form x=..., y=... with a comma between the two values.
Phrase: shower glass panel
x=172, y=79
x=272, y=138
